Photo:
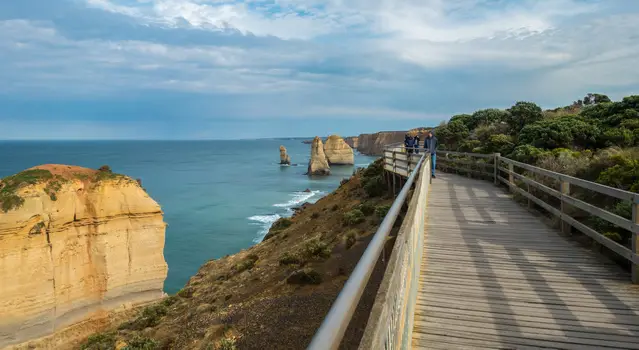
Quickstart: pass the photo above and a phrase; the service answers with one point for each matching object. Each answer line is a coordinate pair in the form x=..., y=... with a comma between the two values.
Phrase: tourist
x=409, y=143
x=416, y=143
x=430, y=143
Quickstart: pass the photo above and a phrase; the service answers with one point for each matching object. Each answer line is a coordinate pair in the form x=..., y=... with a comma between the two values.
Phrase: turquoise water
x=218, y=196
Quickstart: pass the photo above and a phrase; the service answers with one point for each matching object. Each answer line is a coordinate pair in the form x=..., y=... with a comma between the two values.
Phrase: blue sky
x=223, y=69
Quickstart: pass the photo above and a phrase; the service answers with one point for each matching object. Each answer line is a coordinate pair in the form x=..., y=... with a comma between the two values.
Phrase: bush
x=140, y=343
x=105, y=168
x=317, y=248
x=315, y=216
x=281, y=224
x=522, y=114
x=350, y=238
x=100, y=341
x=566, y=132
x=354, y=217
x=290, y=259
x=374, y=186
x=226, y=344
x=304, y=276
x=246, y=264
x=149, y=317
x=186, y=292
x=382, y=210
x=367, y=208
x=10, y=185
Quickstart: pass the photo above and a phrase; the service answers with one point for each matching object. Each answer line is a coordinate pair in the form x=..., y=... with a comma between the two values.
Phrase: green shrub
x=290, y=259
x=10, y=185
x=567, y=132
x=367, y=208
x=100, y=341
x=281, y=224
x=246, y=264
x=168, y=301
x=316, y=248
x=350, y=238
x=140, y=343
x=382, y=210
x=149, y=317
x=315, y=216
x=226, y=344
x=354, y=217
x=615, y=236
x=374, y=186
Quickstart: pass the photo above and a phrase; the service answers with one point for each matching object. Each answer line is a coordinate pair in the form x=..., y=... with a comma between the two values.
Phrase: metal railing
x=473, y=163
x=330, y=333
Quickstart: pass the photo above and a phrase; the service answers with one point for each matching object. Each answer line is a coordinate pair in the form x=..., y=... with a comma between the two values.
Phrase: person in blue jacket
x=409, y=143
x=430, y=143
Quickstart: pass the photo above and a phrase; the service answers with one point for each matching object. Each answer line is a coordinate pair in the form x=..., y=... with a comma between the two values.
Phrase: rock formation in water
x=373, y=144
x=338, y=152
x=352, y=141
x=284, y=157
x=76, y=245
x=318, y=164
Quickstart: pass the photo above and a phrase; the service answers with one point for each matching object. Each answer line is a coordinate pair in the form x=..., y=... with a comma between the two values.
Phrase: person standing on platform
x=430, y=144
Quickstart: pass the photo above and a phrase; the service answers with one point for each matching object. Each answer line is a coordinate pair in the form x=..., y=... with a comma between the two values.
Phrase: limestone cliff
x=284, y=157
x=373, y=144
x=75, y=245
x=338, y=152
x=352, y=141
x=318, y=164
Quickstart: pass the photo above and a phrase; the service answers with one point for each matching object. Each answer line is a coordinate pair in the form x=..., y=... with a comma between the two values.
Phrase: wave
x=298, y=198
x=265, y=221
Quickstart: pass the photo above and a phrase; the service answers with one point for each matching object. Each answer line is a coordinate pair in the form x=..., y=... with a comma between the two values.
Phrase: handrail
x=565, y=200
x=330, y=333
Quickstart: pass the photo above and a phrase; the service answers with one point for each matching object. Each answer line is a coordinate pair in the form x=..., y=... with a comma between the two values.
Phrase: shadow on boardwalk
x=495, y=276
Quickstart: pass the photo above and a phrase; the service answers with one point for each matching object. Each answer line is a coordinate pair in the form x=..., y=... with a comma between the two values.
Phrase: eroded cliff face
x=373, y=144
x=75, y=245
x=338, y=152
x=318, y=164
x=352, y=141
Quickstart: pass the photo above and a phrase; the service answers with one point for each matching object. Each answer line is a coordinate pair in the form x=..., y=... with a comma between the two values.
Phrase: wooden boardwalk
x=494, y=276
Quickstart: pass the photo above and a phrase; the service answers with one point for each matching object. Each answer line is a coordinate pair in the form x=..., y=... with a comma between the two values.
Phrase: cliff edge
x=373, y=144
x=75, y=245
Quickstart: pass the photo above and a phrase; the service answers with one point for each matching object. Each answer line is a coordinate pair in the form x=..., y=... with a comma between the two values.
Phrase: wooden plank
x=495, y=276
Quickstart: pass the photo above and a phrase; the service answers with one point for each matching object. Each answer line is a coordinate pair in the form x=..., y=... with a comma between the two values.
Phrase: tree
x=523, y=113
x=466, y=119
x=561, y=132
x=452, y=134
x=487, y=117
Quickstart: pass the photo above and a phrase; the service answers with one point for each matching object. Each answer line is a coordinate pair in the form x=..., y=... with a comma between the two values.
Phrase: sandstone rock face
x=352, y=141
x=284, y=157
x=81, y=245
x=318, y=165
x=338, y=152
x=373, y=144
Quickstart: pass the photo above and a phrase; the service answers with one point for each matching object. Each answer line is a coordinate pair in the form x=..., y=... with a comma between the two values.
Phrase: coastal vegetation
x=594, y=138
x=287, y=282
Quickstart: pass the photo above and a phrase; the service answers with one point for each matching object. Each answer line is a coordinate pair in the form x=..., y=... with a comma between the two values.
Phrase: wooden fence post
x=511, y=178
x=565, y=190
x=496, y=170
x=530, y=203
x=635, y=242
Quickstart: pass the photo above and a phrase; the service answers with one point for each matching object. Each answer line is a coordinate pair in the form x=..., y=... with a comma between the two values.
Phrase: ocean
x=218, y=197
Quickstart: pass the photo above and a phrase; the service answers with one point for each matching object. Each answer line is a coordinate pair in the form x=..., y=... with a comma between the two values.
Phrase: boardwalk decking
x=494, y=276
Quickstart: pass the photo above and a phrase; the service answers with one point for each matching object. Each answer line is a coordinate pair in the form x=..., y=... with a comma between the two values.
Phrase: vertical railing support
x=496, y=170
x=565, y=190
x=511, y=177
x=530, y=203
x=635, y=242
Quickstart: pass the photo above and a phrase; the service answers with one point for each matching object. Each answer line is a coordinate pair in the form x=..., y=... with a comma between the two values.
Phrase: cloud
x=191, y=61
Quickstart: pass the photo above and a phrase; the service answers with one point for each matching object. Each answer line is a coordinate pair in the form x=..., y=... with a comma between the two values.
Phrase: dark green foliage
x=499, y=143
x=290, y=259
x=100, y=341
x=140, y=343
x=105, y=168
x=168, y=301
x=487, y=117
x=624, y=176
x=315, y=216
x=382, y=210
x=304, y=276
x=618, y=137
x=561, y=132
x=522, y=114
x=315, y=248
x=226, y=344
x=10, y=185
x=465, y=119
x=452, y=134
x=354, y=217
x=281, y=224
x=372, y=179
x=149, y=317
x=186, y=292
x=367, y=208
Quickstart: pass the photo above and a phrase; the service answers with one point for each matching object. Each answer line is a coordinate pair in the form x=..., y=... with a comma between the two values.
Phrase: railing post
x=565, y=190
x=496, y=170
x=635, y=242
x=511, y=178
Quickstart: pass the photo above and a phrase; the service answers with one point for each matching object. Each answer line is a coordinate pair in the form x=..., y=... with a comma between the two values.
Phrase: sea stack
x=318, y=165
x=76, y=245
x=338, y=152
x=284, y=157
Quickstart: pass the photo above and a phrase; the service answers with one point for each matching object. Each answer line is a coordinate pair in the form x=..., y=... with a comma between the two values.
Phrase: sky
x=230, y=69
